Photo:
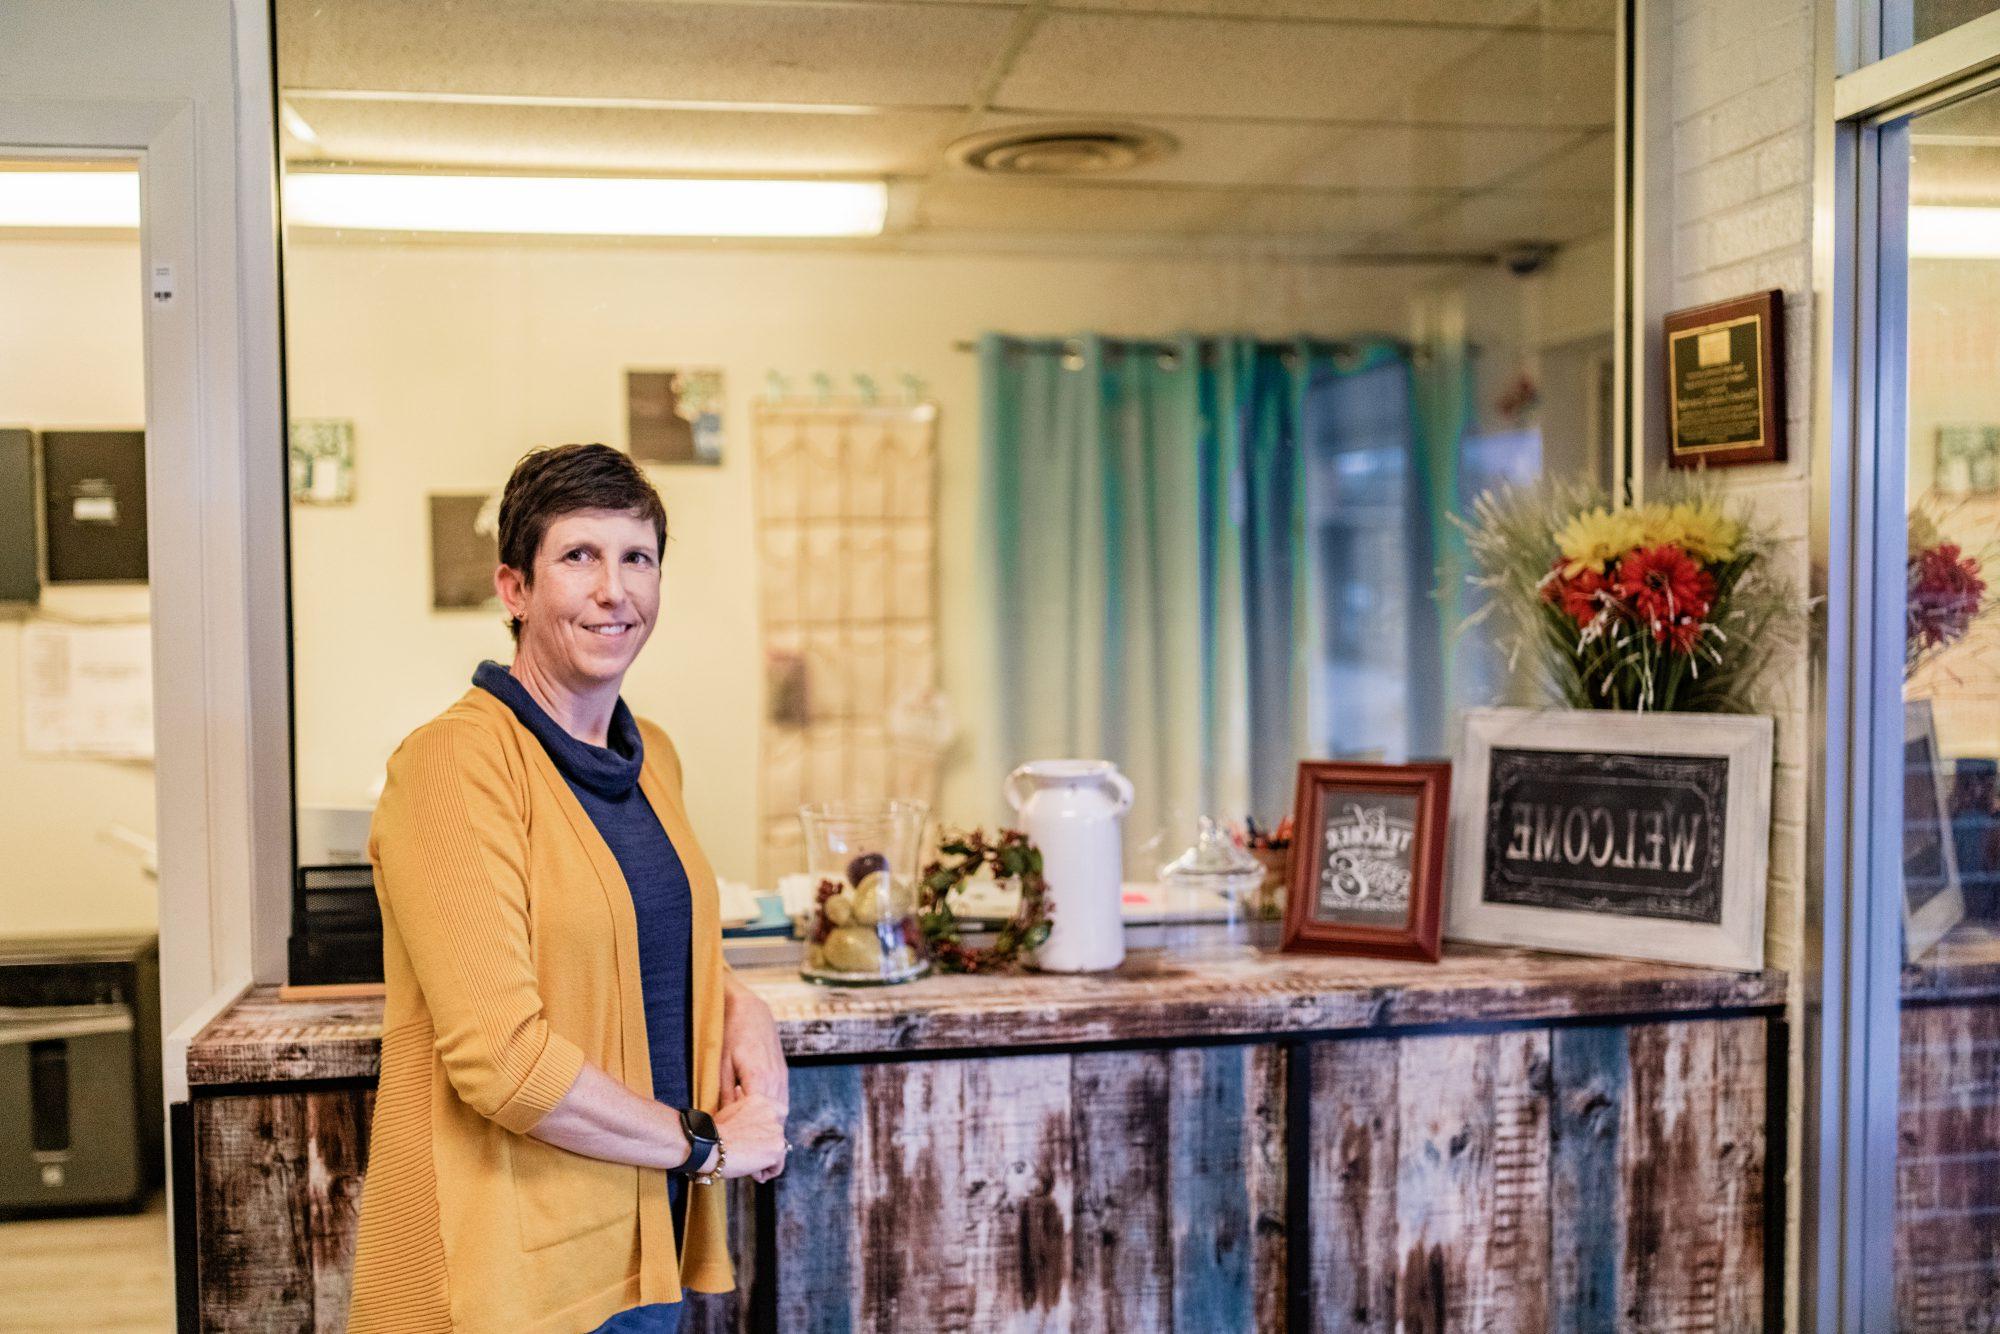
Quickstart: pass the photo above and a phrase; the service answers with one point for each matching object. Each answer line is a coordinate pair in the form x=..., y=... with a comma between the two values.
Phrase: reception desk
x=1504, y=1140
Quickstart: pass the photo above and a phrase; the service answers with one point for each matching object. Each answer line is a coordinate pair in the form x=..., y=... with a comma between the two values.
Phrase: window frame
x=1852, y=992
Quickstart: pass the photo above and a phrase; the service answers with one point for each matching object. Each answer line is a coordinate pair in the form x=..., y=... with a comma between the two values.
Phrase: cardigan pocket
x=560, y=1195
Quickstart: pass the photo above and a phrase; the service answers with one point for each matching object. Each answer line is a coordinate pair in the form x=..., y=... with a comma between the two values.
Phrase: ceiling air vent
x=1060, y=150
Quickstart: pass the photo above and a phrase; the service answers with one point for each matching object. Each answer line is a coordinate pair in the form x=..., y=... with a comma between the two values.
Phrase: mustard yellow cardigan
x=511, y=955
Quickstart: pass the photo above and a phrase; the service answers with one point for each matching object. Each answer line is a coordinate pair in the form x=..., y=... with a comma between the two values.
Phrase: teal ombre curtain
x=1091, y=485
x=1255, y=581
x=1442, y=386
x=1162, y=595
x=1375, y=529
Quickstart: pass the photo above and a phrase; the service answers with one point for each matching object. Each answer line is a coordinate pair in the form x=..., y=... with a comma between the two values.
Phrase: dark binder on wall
x=20, y=577
x=94, y=506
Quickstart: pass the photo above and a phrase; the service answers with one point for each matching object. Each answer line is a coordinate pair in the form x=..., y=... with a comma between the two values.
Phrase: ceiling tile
x=1212, y=67
x=968, y=204
x=1588, y=166
x=1424, y=157
x=1321, y=212
x=1955, y=173
x=894, y=55
x=1155, y=65
x=619, y=139
x=1519, y=78
x=1497, y=219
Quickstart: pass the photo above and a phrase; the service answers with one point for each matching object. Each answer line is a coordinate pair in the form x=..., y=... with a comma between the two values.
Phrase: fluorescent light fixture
x=69, y=199
x=584, y=205
x=1939, y=231
x=295, y=124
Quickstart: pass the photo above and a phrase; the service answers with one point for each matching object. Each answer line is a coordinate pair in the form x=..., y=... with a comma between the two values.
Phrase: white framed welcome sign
x=1641, y=835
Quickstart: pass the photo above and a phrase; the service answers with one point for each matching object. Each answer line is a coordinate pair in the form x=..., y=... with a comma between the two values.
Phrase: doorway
x=84, y=1236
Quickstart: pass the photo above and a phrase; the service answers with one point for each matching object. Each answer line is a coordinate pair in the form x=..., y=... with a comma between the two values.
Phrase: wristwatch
x=702, y=1136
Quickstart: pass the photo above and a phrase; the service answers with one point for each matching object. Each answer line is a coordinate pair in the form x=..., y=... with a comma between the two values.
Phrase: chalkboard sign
x=1635, y=835
x=1933, y=899
x=1600, y=832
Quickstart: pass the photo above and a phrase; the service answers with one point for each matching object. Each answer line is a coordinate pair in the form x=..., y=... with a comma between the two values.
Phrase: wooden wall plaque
x=1725, y=382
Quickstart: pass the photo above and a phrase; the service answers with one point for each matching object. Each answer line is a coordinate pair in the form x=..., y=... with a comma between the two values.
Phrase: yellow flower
x=1703, y=531
x=1658, y=526
x=1924, y=532
x=1593, y=539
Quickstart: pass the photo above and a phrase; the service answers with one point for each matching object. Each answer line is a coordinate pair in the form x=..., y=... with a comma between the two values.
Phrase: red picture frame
x=1368, y=849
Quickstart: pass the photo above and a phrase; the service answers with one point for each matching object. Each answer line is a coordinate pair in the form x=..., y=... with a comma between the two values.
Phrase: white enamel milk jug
x=1071, y=809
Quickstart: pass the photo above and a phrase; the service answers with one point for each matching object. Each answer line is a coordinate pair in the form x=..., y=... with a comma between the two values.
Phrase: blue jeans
x=660, y=1317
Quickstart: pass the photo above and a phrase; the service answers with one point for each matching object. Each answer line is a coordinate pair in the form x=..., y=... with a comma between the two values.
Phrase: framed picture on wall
x=1635, y=835
x=94, y=506
x=464, y=551
x=1368, y=859
x=674, y=416
x=1933, y=897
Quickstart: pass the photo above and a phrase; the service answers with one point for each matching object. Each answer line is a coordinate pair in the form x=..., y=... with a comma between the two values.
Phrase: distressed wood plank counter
x=1503, y=1140
x=1948, y=1150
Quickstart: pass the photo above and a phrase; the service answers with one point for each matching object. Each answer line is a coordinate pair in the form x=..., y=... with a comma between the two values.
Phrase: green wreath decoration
x=1010, y=857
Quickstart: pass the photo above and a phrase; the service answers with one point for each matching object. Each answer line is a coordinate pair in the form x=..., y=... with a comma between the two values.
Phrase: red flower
x=1945, y=593
x=1579, y=596
x=1669, y=591
x=1664, y=583
x=1680, y=636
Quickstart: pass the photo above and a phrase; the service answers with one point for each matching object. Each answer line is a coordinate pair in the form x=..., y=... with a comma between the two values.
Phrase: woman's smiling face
x=594, y=598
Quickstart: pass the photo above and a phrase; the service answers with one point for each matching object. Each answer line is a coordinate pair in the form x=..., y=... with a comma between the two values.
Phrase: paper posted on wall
x=87, y=689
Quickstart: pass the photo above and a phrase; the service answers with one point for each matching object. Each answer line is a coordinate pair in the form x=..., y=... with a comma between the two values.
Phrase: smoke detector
x=1072, y=149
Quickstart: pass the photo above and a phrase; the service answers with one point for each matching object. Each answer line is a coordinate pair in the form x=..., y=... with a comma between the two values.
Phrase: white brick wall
x=1742, y=109
x=1742, y=112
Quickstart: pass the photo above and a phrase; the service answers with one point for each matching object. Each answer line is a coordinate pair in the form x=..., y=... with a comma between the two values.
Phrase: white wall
x=70, y=355
x=452, y=360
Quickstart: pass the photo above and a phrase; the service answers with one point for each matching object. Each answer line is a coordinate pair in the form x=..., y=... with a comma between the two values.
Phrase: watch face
x=701, y=1123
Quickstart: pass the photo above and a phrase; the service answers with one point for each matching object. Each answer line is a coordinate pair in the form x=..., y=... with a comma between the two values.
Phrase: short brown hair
x=560, y=479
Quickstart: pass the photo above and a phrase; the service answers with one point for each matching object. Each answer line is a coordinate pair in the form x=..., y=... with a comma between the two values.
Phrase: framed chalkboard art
x=1639, y=835
x=1933, y=899
x=1368, y=859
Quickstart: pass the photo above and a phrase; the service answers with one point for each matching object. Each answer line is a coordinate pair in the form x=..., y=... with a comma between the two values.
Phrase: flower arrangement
x=1947, y=591
x=1668, y=606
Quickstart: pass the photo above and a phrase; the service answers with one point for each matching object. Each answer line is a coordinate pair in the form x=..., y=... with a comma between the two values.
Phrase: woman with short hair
x=569, y=1070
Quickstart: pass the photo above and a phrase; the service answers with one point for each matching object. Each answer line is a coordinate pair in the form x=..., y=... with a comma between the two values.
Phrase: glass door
x=1941, y=255
x=1902, y=1181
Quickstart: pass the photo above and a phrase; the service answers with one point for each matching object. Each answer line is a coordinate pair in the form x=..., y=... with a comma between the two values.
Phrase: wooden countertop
x=1965, y=965
x=1154, y=997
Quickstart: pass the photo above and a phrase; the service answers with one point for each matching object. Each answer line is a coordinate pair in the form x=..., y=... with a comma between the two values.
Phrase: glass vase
x=862, y=929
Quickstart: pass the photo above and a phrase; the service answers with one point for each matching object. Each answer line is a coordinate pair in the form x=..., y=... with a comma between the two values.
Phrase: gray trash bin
x=68, y=1124
x=80, y=1108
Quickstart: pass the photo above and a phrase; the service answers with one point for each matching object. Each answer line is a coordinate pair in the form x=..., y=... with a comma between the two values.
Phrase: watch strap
x=701, y=1139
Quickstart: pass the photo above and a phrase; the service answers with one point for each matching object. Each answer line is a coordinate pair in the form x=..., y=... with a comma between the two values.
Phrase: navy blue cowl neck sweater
x=605, y=780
